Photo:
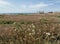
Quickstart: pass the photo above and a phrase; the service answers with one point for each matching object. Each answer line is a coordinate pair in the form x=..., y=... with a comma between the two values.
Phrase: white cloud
x=33, y=7
x=6, y=7
x=40, y=5
x=4, y=3
x=9, y=7
x=55, y=1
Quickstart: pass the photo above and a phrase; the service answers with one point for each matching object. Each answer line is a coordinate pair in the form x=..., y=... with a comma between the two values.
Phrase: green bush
x=1, y=16
x=43, y=21
x=58, y=16
x=29, y=22
x=22, y=22
x=6, y=22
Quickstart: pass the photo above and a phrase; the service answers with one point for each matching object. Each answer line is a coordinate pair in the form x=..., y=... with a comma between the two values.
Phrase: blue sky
x=29, y=6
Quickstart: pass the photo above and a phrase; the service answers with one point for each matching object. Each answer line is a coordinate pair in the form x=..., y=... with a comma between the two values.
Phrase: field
x=30, y=29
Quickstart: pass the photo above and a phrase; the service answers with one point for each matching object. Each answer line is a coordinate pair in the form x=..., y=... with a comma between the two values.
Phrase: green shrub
x=22, y=22
x=43, y=21
x=58, y=16
x=6, y=22
x=1, y=16
x=29, y=22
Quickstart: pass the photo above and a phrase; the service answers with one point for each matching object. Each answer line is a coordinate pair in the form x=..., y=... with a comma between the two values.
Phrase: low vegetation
x=6, y=22
x=43, y=31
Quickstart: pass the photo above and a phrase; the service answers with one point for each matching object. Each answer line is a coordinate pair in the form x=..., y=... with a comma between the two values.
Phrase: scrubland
x=30, y=29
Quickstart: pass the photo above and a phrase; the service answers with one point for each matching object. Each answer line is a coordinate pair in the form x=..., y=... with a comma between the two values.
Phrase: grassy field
x=30, y=29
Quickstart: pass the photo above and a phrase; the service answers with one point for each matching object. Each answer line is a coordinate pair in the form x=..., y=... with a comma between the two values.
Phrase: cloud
x=4, y=3
x=7, y=7
x=40, y=5
x=55, y=1
x=34, y=7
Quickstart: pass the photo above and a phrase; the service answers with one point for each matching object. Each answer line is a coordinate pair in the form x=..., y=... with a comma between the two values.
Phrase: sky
x=29, y=6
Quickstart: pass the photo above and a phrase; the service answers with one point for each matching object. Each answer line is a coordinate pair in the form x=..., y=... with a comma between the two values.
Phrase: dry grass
x=30, y=29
